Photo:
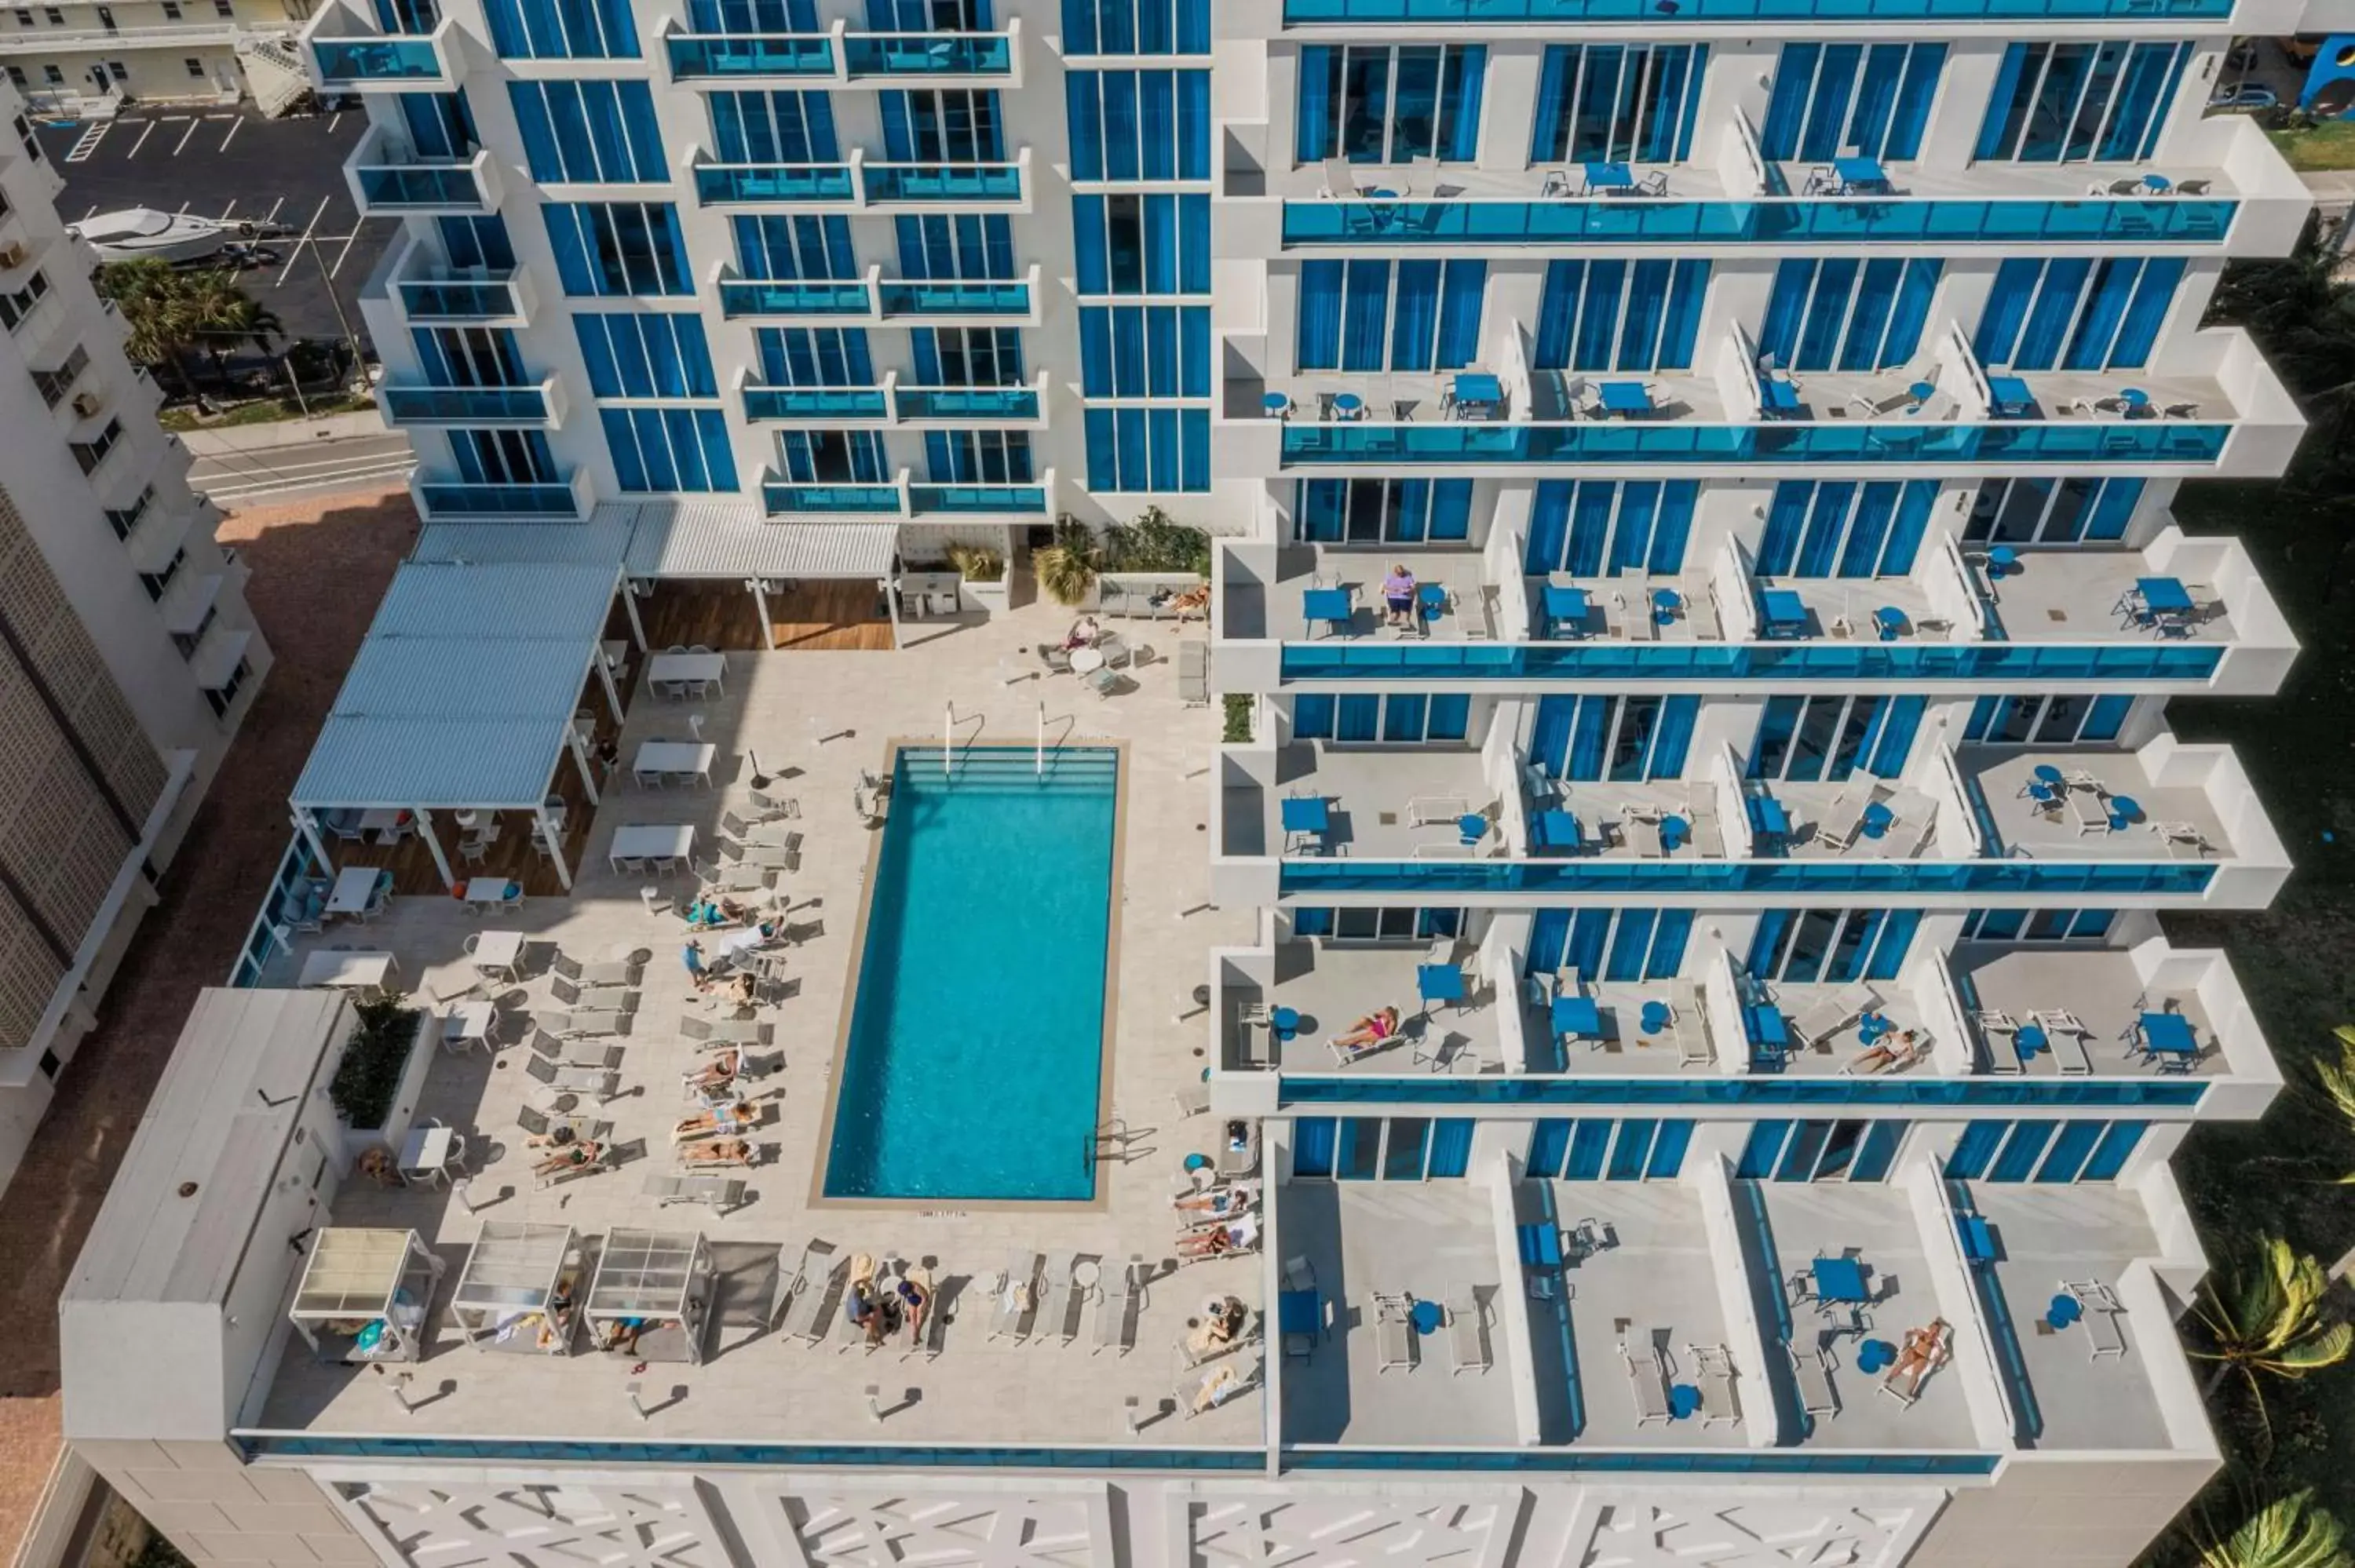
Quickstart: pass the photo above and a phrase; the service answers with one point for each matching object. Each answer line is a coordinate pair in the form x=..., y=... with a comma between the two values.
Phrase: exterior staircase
x=274, y=73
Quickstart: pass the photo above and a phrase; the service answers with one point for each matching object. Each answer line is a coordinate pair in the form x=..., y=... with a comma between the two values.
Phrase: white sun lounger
x=721, y=1192
x=580, y=1025
x=1015, y=1301
x=1827, y=1015
x=2089, y=808
x=2065, y=1037
x=1118, y=1301
x=1066, y=1299
x=1814, y=1376
x=1215, y=1384
x=2101, y=1317
x=1431, y=811
x=817, y=1303
x=1647, y=1379
x=1844, y=818
x=1393, y=1334
x=1467, y=1332
x=1713, y=1370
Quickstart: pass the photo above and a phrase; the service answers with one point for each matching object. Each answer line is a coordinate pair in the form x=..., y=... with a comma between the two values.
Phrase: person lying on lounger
x=1923, y=1353
x=570, y=1156
x=1083, y=634
x=1222, y=1203
x=1370, y=1032
x=717, y=1076
x=711, y=1123
x=716, y=910
x=915, y=1293
x=721, y=1152
x=1219, y=1239
x=1902, y=1049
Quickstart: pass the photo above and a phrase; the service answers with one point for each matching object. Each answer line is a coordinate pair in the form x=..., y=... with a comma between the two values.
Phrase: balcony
x=414, y=405
x=448, y=499
x=386, y=178
x=843, y=57
x=905, y=498
x=875, y=298
x=350, y=52
x=476, y=297
x=861, y=186
x=817, y=405
x=921, y=408
x=1492, y=13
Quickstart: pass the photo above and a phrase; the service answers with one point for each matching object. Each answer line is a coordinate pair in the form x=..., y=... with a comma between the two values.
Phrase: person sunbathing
x=1218, y=1239
x=720, y=910
x=708, y=1123
x=1370, y=1032
x=722, y=1152
x=1923, y=1353
x=1083, y=634
x=717, y=1076
x=570, y=1157
x=1902, y=1049
x=1223, y=1202
x=915, y=1293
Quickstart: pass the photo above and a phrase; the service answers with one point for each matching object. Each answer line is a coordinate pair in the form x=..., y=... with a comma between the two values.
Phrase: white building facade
x=1691, y=484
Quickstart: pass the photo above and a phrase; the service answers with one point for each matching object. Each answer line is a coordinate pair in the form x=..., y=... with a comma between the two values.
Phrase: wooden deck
x=829, y=617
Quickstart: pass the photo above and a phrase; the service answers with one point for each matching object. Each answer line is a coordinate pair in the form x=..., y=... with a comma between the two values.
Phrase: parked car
x=243, y=255
x=2246, y=98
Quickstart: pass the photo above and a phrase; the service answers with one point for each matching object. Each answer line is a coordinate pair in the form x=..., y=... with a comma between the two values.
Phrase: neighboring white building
x=1777, y=411
x=129, y=655
x=78, y=57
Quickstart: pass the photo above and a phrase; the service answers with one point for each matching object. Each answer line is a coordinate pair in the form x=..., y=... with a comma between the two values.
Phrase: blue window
x=978, y=457
x=1136, y=28
x=1381, y=103
x=1808, y=739
x=1370, y=1149
x=958, y=244
x=786, y=248
x=2109, y=1156
x=1626, y=739
x=927, y=15
x=2030, y=719
x=477, y=242
x=1153, y=449
x=503, y=457
x=2076, y=102
x=1842, y=529
x=1382, y=511
x=439, y=124
x=1845, y=1150
x=2076, y=312
x=562, y=29
x=1804, y=947
x=1620, y=315
x=612, y=250
x=2023, y=1147
x=1591, y=1150
x=587, y=133
x=1144, y=351
x=1617, y=103
x=645, y=354
x=1375, y=315
x=772, y=128
x=1312, y=1144
x=664, y=450
x=1129, y=243
x=1845, y=314
x=941, y=125
x=2049, y=511
x=833, y=457
x=2045, y=1151
x=1593, y=528
x=1451, y=1148
x=469, y=356
x=814, y=356
x=1139, y=124
x=1396, y=718
x=786, y=17
x=1835, y=101
x=967, y=356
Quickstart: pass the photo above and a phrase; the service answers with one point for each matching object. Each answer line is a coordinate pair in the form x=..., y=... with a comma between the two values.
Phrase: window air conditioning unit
x=87, y=405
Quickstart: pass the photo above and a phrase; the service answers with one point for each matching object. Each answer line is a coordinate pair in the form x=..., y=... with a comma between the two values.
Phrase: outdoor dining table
x=468, y=1024
x=1623, y=397
x=346, y=967
x=1439, y=983
x=498, y=952
x=1609, y=177
x=1577, y=1017
x=1330, y=605
x=1840, y=1280
x=2164, y=596
x=490, y=890
x=2168, y=1034
x=2010, y=397
x=660, y=759
x=1557, y=828
x=1861, y=175
x=1564, y=607
x=650, y=841
x=1784, y=612
x=425, y=1155
x=355, y=889
x=1478, y=389
x=1769, y=816
x=686, y=669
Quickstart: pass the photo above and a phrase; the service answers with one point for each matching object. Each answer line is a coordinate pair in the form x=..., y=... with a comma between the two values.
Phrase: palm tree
x=2268, y=1318
x=219, y=315
x=153, y=299
x=2289, y=1532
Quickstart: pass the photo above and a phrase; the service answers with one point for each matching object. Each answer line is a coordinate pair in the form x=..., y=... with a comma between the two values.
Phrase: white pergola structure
x=462, y=698
x=719, y=541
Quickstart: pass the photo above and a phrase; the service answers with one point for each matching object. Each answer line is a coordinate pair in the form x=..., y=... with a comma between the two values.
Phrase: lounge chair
x=1213, y=1386
x=814, y=1306
x=1647, y=1379
x=720, y=1193
x=1118, y=1301
x=581, y=1025
x=598, y=1083
x=1194, y=673
x=2182, y=838
x=1827, y=1015
x=1430, y=811
x=2102, y=1311
x=1393, y=1333
x=2065, y=1037
x=1688, y=1021
x=1814, y=1375
x=1340, y=181
x=1713, y=1371
x=721, y=1121
x=610, y=998
x=1843, y=820
x=1066, y=1297
x=1468, y=1333
x=1941, y=1351
x=1014, y=1298
x=730, y=1153
x=2089, y=808
x=1998, y=1031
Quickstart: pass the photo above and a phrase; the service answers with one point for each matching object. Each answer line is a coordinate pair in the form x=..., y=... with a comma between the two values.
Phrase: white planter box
x=398, y=1120
x=988, y=598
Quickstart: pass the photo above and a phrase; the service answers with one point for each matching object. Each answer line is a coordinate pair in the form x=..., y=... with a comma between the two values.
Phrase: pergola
x=659, y=1282
x=723, y=541
x=520, y=1288
x=462, y=698
x=364, y=1295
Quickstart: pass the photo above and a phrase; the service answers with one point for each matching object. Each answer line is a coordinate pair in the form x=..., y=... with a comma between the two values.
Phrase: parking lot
x=233, y=164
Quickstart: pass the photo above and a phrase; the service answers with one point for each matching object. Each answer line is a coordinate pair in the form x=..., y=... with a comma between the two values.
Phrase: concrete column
x=434, y=846
x=761, y=603
x=630, y=604
x=307, y=824
x=555, y=843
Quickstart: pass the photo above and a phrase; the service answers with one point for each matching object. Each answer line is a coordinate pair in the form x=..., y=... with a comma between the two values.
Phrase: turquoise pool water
x=975, y=1045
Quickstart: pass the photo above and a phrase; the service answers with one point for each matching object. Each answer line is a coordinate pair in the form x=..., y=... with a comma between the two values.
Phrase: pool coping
x=1098, y=1203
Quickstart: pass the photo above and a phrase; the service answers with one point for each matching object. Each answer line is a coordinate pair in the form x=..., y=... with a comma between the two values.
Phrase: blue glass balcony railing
x=943, y=182
x=465, y=404
x=499, y=500
x=772, y=182
x=848, y=298
x=967, y=402
x=814, y=403
x=460, y=298
x=782, y=497
x=949, y=298
x=355, y=60
x=1775, y=878
x=1302, y=13
x=1027, y=499
x=1991, y=441
x=1582, y=1088
x=694, y=55
x=1787, y=221
x=387, y=187
x=927, y=54
x=1340, y=660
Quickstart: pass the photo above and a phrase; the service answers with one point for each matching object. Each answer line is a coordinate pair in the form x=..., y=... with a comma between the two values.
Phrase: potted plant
x=984, y=587
x=376, y=1085
x=1067, y=569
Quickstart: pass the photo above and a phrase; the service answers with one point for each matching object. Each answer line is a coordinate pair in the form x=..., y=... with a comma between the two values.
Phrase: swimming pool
x=973, y=1059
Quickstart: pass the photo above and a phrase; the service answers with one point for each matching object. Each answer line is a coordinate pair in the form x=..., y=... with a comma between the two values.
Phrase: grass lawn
x=2329, y=145
x=2296, y=962
x=266, y=411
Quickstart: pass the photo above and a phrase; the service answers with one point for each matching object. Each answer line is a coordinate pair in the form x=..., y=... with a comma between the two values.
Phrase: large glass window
x=1149, y=449
x=1617, y=102
x=1139, y=243
x=1841, y=313
x=2034, y=925
x=1136, y=28
x=469, y=356
x=978, y=457
x=1382, y=511
x=1835, y=100
x=1620, y=315
x=1360, y=924
x=1804, y=947
x=1378, y=315
x=2076, y=312
x=645, y=354
x=585, y=132
x=954, y=245
x=941, y=125
x=772, y=128
x=1804, y=739
x=1839, y=528
x=1371, y=1148
x=662, y=451
x=1392, y=718
x=786, y=248
x=833, y=457
x=2048, y=510
x=1602, y=528
x=1607, y=944
x=2073, y=102
x=562, y=29
x=503, y=457
x=967, y=356
x=615, y=248
x=814, y=356
x=2030, y=719
x=1808, y=1150
x=1626, y=739
x=1144, y=351
x=1390, y=104
x=1600, y=1149
x=1139, y=124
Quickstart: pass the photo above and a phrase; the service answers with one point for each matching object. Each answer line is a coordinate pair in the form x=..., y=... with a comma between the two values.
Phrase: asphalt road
x=232, y=163
x=278, y=473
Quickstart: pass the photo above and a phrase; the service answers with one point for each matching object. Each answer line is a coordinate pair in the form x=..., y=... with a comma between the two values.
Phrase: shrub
x=369, y=1075
x=1067, y=569
x=978, y=563
x=1239, y=716
x=1154, y=544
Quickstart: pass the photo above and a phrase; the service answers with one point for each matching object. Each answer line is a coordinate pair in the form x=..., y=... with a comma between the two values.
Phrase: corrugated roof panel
x=437, y=764
x=600, y=540
x=723, y=539
x=507, y=600
x=470, y=678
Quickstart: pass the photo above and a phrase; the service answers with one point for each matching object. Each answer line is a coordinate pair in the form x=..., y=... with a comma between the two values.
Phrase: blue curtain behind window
x=1787, y=518
x=1414, y=316
x=1462, y=143
x=1320, y=316
x=1672, y=736
x=1549, y=735
x=1362, y=312
x=1553, y=92
x=2153, y=293
x=1590, y=736
x=1896, y=741
x=1668, y=937
x=1465, y=287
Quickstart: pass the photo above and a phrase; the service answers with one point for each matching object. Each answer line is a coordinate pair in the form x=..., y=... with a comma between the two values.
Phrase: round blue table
x=1872, y=1355
x=2045, y=773
x=1674, y=831
x=1349, y=404
x=2063, y=1310
x=1274, y=403
x=1655, y=1017
x=1426, y=1317
x=2001, y=560
x=2124, y=811
x=1683, y=1400
x=1285, y=1022
x=2028, y=1041
x=1873, y=1027
x=2158, y=183
x=2134, y=397
x=1666, y=602
x=1921, y=391
x=1473, y=826
x=1877, y=818
x=1197, y=1162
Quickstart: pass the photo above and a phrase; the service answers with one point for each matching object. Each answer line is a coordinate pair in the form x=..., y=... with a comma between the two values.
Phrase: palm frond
x=2289, y=1532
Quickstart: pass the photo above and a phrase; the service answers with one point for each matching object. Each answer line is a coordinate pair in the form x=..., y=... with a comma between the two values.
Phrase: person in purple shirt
x=1397, y=595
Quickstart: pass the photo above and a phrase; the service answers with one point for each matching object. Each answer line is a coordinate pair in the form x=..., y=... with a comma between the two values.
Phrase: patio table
x=2164, y=596
x=650, y=841
x=2010, y=395
x=1785, y=612
x=1610, y=177
x=2064, y=1310
x=1557, y=828
x=683, y=668
x=1624, y=396
x=2168, y=1034
x=659, y=760
x=355, y=887
x=1578, y=1017
x=498, y=951
x=1840, y=1280
x=490, y=890
x=1861, y=174
x=1439, y=983
x=346, y=967
x=1564, y=605
x=424, y=1153
x=1330, y=605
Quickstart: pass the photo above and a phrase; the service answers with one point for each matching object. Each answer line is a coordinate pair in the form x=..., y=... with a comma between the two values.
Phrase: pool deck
x=815, y=720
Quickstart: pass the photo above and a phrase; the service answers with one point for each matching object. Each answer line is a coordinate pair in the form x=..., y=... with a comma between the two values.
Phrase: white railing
x=1039, y=766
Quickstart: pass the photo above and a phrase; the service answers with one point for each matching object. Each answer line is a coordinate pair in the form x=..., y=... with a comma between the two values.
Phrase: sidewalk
x=282, y=433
